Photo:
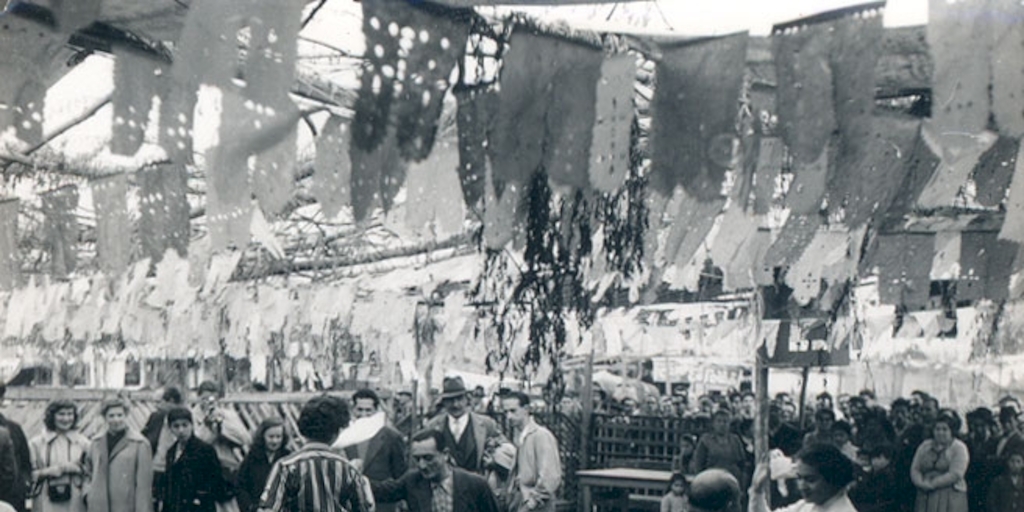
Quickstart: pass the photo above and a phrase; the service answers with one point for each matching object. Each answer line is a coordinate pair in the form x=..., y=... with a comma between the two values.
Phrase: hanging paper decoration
x=273, y=47
x=694, y=111
x=379, y=74
x=994, y=171
x=61, y=228
x=73, y=15
x=1014, y=229
x=377, y=176
x=902, y=278
x=805, y=276
x=794, y=237
x=177, y=111
x=735, y=228
x=920, y=167
x=747, y=269
x=501, y=214
x=959, y=38
x=690, y=228
x=208, y=52
x=434, y=206
x=27, y=46
x=866, y=181
x=946, y=263
x=332, y=169
x=164, y=210
x=273, y=175
x=431, y=42
x=113, y=230
x=986, y=264
x=477, y=112
x=1007, y=65
x=28, y=112
x=609, y=151
x=856, y=45
x=135, y=82
x=10, y=269
x=771, y=157
x=808, y=186
x=960, y=153
x=545, y=110
x=228, y=196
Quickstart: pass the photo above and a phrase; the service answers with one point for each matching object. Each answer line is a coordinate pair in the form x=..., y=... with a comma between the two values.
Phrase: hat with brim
x=505, y=455
x=453, y=387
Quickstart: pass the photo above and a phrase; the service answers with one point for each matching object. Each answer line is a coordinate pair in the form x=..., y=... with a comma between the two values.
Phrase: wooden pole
x=762, y=429
x=588, y=410
x=804, y=375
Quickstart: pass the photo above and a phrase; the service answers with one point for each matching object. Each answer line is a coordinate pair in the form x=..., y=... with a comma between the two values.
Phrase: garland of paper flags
x=805, y=186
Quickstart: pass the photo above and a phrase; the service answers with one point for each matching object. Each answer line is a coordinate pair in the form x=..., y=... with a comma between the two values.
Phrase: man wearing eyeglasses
x=434, y=485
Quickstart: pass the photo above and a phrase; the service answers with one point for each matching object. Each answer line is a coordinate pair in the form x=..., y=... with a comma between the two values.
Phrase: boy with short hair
x=1006, y=494
x=877, y=489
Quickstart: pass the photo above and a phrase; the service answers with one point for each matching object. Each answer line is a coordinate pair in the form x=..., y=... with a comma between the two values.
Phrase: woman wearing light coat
x=120, y=463
x=57, y=461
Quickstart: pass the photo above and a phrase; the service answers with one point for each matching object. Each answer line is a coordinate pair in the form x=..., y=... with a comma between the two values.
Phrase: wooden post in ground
x=762, y=429
x=804, y=375
x=588, y=410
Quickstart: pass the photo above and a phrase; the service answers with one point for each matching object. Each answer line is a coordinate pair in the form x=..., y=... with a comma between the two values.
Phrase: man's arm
x=549, y=466
x=391, y=490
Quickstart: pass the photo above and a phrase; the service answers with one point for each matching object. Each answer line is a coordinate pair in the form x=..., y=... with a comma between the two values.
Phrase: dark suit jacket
x=23, y=458
x=385, y=455
x=252, y=478
x=154, y=424
x=471, y=492
x=194, y=482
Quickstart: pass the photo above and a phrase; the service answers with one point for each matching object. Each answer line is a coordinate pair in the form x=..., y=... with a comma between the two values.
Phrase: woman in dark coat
x=269, y=445
x=194, y=482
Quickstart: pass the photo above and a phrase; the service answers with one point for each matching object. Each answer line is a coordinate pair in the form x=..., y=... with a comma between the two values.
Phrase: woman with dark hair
x=939, y=467
x=720, y=449
x=120, y=463
x=269, y=445
x=823, y=476
x=194, y=482
x=57, y=456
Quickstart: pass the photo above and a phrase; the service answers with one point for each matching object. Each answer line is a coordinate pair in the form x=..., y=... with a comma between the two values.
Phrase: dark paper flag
x=10, y=270
x=795, y=236
x=476, y=117
x=208, y=50
x=694, y=115
x=26, y=46
x=960, y=40
x=995, y=169
x=177, y=111
x=377, y=176
x=333, y=169
x=609, y=151
x=135, y=84
x=273, y=177
x=273, y=47
x=904, y=268
x=805, y=93
x=61, y=232
x=572, y=98
x=379, y=74
x=920, y=167
x=1008, y=66
x=113, y=230
x=770, y=158
x=164, y=210
x=986, y=264
x=808, y=186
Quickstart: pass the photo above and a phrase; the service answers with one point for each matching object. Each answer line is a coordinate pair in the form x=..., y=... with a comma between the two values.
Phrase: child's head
x=1015, y=463
x=880, y=456
x=677, y=484
x=687, y=444
x=841, y=433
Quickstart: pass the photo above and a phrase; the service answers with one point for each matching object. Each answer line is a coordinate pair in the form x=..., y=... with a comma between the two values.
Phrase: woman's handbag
x=59, y=492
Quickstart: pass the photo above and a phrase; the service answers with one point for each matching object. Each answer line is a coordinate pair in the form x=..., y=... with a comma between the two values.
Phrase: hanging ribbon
x=113, y=229
x=164, y=210
x=61, y=228
x=694, y=112
x=135, y=84
x=333, y=169
x=10, y=269
x=609, y=151
x=959, y=36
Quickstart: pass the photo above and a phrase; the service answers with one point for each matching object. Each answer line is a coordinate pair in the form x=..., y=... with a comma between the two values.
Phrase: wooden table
x=621, y=478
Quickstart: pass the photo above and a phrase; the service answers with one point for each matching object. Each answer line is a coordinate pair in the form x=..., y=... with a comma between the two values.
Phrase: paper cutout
x=946, y=263
x=376, y=176
x=113, y=229
x=273, y=175
x=135, y=83
x=694, y=111
x=794, y=237
x=379, y=75
x=208, y=52
x=808, y=186
x=959, y=38
x=501, y=214
x=571, y=114
x=920, y=168
x=770, y=159
x=986, y=265
x=332, y=169
x=994, y=171
x=177, y=112
x=434, y=205
x=959, y=153
x=609, y=151
x=164, y=210
x=1007, y=65
x=10, y=268
x=805, y=92
x=476, y=116
x=902, y=279
x=856, y=45
x=61, y=229
x=1013, y=229
x=273, y=47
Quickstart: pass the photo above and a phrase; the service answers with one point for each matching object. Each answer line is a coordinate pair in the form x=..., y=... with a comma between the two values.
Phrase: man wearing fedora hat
x=466, y=432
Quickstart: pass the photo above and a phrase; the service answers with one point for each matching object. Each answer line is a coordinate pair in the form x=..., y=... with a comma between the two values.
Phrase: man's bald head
x=714, y=490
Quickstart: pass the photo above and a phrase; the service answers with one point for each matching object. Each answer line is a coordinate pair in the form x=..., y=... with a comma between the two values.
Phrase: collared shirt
x=458, y=425
x=315, y=479
x=838, y=503
x=442, y=497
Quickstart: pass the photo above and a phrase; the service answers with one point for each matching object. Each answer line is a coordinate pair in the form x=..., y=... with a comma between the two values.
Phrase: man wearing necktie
x=466, y=432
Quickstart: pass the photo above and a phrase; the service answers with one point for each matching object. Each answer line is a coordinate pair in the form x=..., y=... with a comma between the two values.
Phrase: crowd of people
x=348, y=457
x=910, y=456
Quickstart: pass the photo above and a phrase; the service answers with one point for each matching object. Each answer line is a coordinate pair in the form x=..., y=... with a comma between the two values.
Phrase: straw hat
x=505, y=455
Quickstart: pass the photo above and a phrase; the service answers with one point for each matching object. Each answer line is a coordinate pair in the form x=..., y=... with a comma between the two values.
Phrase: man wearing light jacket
x=538, y=472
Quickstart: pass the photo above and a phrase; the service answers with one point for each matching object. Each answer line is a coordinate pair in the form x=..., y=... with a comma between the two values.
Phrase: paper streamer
x=476, y=116
x=273, y=174
x=113, y=229
x=609, y=151
x=135, y=84
x=209, y=42
x=379, y=75
x=164, y=210
x=902, y=279
x=808, y=186
x=177, y=111
x=959, y=38
x=332, y=169
x=1008, y=66
x=10, y=269
x=1013, y=230
x=61, y=229
x=995, y=169
x=960, y=153
x=793, y=239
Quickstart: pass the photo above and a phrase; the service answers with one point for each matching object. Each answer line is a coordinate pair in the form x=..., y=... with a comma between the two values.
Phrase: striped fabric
x=315, y=479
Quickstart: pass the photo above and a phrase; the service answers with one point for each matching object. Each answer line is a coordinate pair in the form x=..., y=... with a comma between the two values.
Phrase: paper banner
x=920, y=167
x=959, y=153
x=273, y=175
x=164, y=210
x=379, y=75
x=959, y=36
x=177, y=110
x=432, y=45
x=865, y=182
x=545, y=110
x=332, y=169
x=994, y=171
x=208, y=50
x=902, y=278
x=1007, y=65
x=375, y=175
x=946, y=263
x=273, y=47
x=986, y=264
x=808, y=186
x=501, y=214
x=770, y=159
x=434, y=206
x=794, y=237
x=1014, y=229
x=27, y=46
x=10, y=269
x=609, y=151
x=113, y=229
x=476, y=116
x=856, y=45
x=61, y=228
x=694, y=111
x=135, y=83
x=73, y=15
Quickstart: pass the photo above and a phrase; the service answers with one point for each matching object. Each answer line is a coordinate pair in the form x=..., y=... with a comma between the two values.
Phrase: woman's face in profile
x=812, y=486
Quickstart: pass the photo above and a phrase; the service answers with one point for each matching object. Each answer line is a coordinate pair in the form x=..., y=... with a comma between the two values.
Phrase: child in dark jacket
x=1006, y=494
x=877, y=489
